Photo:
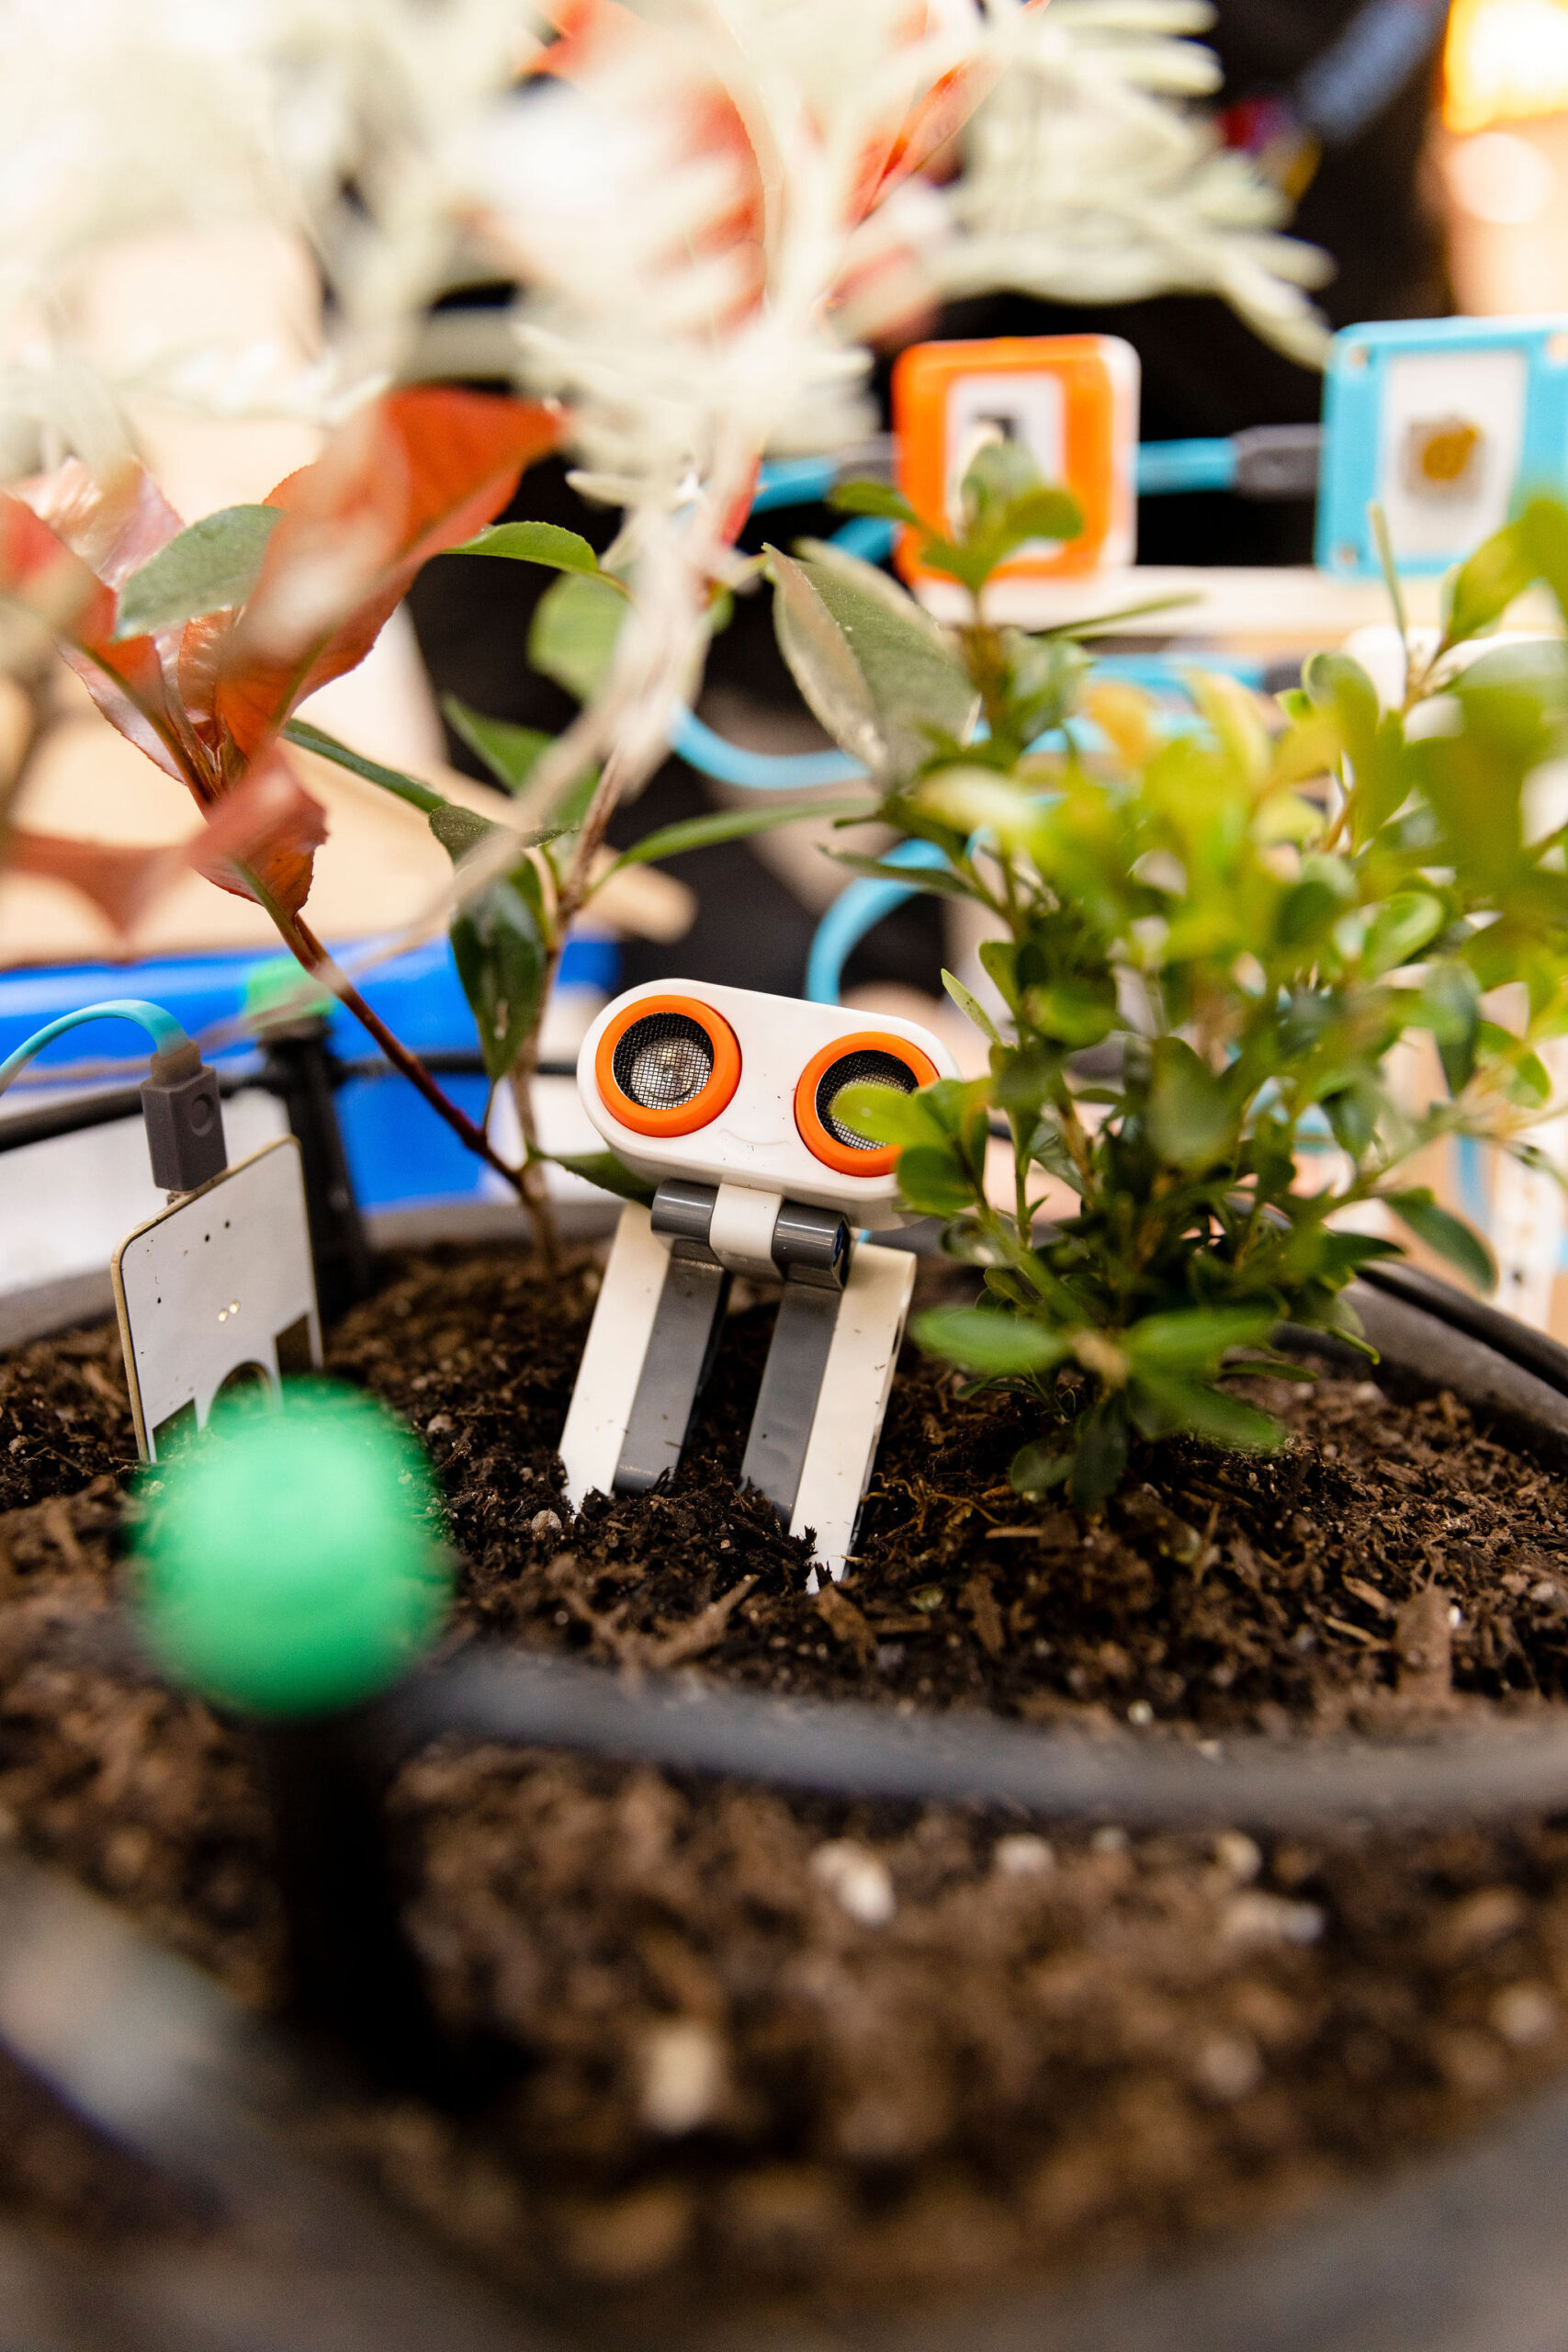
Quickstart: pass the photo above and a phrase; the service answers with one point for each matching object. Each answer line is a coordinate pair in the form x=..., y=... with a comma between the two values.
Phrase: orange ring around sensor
x=681, y=1118
x=819, y=1142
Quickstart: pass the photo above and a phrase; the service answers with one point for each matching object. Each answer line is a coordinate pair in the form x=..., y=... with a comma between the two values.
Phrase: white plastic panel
x=855, y=1389
x=613, y=1360
x=209, y=1286
x=1453, y=424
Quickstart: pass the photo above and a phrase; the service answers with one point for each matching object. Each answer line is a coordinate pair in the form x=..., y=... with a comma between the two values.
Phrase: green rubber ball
x=290, y=1561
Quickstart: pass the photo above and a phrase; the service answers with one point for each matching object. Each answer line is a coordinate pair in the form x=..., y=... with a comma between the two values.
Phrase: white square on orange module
x=1071, y=400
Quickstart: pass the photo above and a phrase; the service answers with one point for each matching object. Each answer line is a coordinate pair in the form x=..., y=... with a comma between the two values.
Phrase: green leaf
x=1078, y=1011
x=1201, y=1411
x=1451, y=1009
x=1099, y=1455
x=1048, y=1149
x=544, y=543
x=1191, y=1125
x=1052, y=514
x=877, y=671
x=603, y=1167
x=1111, y=624
x=936, y=880
x=1481, y=591
x=501, y=958
x=1337, y=682
x=998, y=961
x=568, y=811
x=210, y=567
x=872, y=498
x=457, y=828
x=1353, y=1112
x=933, y=1182
x=573, y=637
x=1373, y=741
x=403, y=788
x=507, y=750
x=997, y=1345
x=1196, y=1339
x=999, y=472
x=885, y=1115
x=1382, y=541
x=1035, y=1469
x=1546, y=522
x=723, y=825
x=1400, y=930
x=1447, y=1234
x=970, y=1006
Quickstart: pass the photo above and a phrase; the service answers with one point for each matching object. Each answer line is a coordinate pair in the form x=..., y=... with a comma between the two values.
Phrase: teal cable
x=1167, y=466
x=161, y=1026
x=731, y=763
x=858, y=909
x=794, y=482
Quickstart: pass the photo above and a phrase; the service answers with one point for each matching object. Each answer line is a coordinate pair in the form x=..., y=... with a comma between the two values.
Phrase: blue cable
x=794, y=482
x=161, y=1026
x=857, y=910
x=1163, y=467
x=758, y=771
x=1168, y=466
x=1162, y=673
x=870, y=536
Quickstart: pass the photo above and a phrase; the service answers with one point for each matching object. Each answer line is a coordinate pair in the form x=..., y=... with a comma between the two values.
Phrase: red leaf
x=930, y=123
x=115, y=524
x=419, y=471
x=269, y=826
x=121, y=882
x=39, y=570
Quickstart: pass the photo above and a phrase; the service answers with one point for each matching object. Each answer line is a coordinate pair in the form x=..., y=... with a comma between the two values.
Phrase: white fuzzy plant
x=343, y=122
x=699, y=300
x=1089, y=175
x=700, y=206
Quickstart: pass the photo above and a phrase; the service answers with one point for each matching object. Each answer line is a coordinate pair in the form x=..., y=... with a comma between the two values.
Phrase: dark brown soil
x=766, y=2043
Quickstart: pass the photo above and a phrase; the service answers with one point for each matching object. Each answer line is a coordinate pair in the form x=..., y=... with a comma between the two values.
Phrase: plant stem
x=535, y=1186
x=307, y=949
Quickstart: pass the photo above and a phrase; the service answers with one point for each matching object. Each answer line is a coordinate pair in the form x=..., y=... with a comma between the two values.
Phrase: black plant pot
x=1468, y=2253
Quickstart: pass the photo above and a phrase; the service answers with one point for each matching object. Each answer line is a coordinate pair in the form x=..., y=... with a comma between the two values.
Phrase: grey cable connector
x=185, y=1120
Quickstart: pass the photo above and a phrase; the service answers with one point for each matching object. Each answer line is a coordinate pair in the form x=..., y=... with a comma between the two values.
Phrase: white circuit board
x=217, y=1289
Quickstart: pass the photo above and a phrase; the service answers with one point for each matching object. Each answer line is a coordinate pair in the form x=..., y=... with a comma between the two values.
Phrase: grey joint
x=1278, y=460
x=683, y=1213
x=184, y=1118
x=810, y=1246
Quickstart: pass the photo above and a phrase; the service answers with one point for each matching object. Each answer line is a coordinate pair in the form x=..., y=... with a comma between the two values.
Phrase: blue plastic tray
x=399, y=1151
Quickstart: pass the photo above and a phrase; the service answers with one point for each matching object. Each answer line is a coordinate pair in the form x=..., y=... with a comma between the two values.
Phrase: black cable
x=1533, y=1351
x=846, y=1749
x=81, y=1112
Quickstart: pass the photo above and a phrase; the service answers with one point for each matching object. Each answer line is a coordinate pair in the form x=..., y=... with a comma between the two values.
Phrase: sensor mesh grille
x=868, y=1068
x=663, y=1061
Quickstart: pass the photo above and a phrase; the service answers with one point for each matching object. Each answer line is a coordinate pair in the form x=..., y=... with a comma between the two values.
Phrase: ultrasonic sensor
x=873, y=1058
x=667, y=1066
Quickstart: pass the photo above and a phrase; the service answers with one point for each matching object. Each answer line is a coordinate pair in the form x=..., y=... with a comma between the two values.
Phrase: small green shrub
x=1209, y=944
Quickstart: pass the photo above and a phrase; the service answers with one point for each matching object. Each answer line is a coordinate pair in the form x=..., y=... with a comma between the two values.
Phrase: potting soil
x=755, y=2045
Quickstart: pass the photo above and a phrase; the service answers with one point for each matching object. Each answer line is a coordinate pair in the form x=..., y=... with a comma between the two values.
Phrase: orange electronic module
x=1072, y=400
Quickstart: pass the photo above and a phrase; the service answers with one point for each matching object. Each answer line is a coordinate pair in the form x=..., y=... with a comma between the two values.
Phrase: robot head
x=724, y=1086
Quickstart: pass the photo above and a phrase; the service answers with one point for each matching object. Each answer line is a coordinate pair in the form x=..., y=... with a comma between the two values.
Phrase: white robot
x=724, y=1099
